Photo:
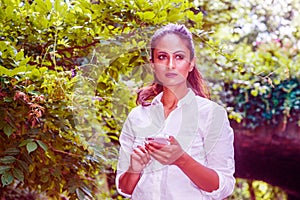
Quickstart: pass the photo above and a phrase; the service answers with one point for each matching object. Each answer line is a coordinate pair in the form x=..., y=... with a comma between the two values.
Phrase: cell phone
x=160, y=140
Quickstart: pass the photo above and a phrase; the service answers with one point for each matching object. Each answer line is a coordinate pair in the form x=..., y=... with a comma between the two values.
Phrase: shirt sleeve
x=126, y=140
x=219, y=150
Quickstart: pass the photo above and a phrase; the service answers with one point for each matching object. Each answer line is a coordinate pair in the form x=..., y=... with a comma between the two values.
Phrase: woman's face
x=171, y=60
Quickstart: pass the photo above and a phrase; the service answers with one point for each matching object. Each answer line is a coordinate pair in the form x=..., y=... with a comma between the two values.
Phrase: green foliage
x=44, y=146
x=63, y=68
x=265, y=105
x=257, y=80
x=252, y=189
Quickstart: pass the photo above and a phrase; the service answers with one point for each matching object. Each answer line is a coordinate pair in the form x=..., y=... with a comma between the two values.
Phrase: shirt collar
x=185, y=100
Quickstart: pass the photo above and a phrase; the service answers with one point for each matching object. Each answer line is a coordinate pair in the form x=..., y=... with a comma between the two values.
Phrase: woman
x=197, y=161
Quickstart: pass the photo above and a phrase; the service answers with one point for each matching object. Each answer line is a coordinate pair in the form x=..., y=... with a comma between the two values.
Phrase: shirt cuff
x=224, y=190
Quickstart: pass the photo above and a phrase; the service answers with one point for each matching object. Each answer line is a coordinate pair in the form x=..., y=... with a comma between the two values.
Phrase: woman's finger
x=146, y=156
x=173, y=140
x=143, y=155
x=157, y=145
x=158, y=154
x=142, y=149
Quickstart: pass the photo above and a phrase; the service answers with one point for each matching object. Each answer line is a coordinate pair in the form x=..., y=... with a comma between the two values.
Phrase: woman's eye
x=179, y=57
x=162, y=57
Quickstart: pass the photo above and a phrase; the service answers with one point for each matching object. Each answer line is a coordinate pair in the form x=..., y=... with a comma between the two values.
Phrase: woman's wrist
x=182, y=160
x=132, y=171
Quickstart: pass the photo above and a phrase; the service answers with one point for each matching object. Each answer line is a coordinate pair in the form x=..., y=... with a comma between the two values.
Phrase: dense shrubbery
x=265, y=105
x=62, y=105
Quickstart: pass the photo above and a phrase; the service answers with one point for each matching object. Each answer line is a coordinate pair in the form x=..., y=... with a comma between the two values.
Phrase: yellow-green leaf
x=20, y=55
x=146, y=15
x=25, y=142
x=254, y=92
x=31, y=146
x=42, y=145
x=4, y=71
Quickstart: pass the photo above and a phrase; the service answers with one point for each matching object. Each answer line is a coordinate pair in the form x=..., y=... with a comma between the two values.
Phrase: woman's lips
x=171, y=75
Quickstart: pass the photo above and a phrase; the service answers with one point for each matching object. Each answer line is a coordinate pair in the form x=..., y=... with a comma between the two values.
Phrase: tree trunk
x=270, y=154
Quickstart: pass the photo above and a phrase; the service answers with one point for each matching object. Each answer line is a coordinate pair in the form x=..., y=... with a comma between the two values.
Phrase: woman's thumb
x=172, y=140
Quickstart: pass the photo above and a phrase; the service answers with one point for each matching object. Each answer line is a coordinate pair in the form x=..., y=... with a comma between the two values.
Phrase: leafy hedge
x=43, y=148
x=265, y=106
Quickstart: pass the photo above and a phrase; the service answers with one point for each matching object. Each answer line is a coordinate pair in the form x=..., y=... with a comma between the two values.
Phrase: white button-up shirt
x=203, y=131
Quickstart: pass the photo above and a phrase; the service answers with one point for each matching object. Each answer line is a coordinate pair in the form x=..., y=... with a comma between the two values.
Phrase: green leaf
x=35, y=73
x=174, y=17
x=57, y=5
x=113, y=73
x=12, y=151
x=146, y=15
x=42, y=145
x=43, y=70
x=25, y=142
x=113, y=137
x=24, y=62
x=20, y=55
x=21, y=69
x=7, y=159
x=102, y=86
x=4, y=71
x=134, y=58
x=23, y=165
x=4, y=169
x=8, y=130
x=49, y=4
x=149, y=15
x=18, y=174
x=31, y=146
x=6, y=178
x=254, y=92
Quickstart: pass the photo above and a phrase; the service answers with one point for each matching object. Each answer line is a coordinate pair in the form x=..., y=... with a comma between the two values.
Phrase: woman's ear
x=192, y=64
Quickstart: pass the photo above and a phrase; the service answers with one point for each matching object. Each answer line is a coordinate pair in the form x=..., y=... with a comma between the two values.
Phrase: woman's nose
x=171, y=63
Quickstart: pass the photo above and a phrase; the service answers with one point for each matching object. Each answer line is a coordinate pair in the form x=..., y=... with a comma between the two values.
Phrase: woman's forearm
x=205, y=178
x=128, y=181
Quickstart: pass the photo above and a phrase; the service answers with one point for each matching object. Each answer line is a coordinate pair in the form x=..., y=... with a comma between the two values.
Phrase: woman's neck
x=171, y=97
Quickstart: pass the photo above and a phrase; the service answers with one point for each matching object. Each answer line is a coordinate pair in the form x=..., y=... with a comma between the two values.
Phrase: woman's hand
x=139, y=159
x=165, y=154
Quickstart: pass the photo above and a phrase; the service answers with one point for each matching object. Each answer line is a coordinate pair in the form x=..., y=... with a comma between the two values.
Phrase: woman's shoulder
x=204, y=102
x=209, y=107
x=139, y=111
x=135, y=110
